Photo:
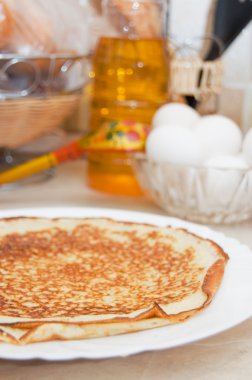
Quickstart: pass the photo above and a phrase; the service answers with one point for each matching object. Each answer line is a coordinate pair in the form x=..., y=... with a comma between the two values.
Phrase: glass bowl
x=41, y=75
x=200, y=194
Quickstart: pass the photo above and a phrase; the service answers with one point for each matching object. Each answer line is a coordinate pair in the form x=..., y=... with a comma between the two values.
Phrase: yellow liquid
x=130, y=81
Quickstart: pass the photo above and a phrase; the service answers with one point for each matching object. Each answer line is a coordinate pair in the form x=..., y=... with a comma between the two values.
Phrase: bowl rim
x=143, y=157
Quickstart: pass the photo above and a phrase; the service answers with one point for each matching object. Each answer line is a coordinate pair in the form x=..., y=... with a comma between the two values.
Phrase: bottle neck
x=137, y=18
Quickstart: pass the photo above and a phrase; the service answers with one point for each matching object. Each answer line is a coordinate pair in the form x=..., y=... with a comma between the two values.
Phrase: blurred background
x=192, y=18
x=95, y=79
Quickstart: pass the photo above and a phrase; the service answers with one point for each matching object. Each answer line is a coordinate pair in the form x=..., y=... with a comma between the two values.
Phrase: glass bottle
x=130, y=81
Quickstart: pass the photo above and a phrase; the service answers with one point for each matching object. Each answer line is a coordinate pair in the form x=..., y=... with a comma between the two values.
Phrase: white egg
x=175, y=113
x=219, y=135
x=247, y=146
x=174, y=143
x=227, y=162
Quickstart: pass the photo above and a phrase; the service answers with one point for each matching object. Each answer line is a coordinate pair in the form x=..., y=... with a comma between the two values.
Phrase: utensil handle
x=28, y=168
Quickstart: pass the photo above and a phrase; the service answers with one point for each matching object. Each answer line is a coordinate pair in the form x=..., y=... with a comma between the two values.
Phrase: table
x=225, y=356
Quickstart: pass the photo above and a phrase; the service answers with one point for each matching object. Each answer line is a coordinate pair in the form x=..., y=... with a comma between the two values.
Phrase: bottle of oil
x=130, y=81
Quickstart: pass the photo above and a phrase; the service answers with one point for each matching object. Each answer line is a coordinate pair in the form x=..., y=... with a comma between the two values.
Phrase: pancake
x=83, y=278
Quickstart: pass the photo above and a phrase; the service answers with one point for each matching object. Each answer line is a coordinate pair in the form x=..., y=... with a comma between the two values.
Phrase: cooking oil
x=130, y=81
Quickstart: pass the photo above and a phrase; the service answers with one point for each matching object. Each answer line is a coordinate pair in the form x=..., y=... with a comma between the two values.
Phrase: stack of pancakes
x=82, y=278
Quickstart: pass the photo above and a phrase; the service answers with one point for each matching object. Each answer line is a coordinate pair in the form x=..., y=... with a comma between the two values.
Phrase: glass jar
x=130, y=71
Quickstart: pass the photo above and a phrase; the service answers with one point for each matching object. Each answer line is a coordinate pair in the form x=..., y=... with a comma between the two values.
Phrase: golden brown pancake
x=81, y=278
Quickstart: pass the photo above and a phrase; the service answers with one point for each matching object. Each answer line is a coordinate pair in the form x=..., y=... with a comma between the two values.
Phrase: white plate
x=221, y=315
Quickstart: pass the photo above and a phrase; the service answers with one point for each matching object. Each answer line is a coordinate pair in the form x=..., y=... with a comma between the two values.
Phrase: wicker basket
x=193, y=76
x=51, y=87
x=24, y=119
